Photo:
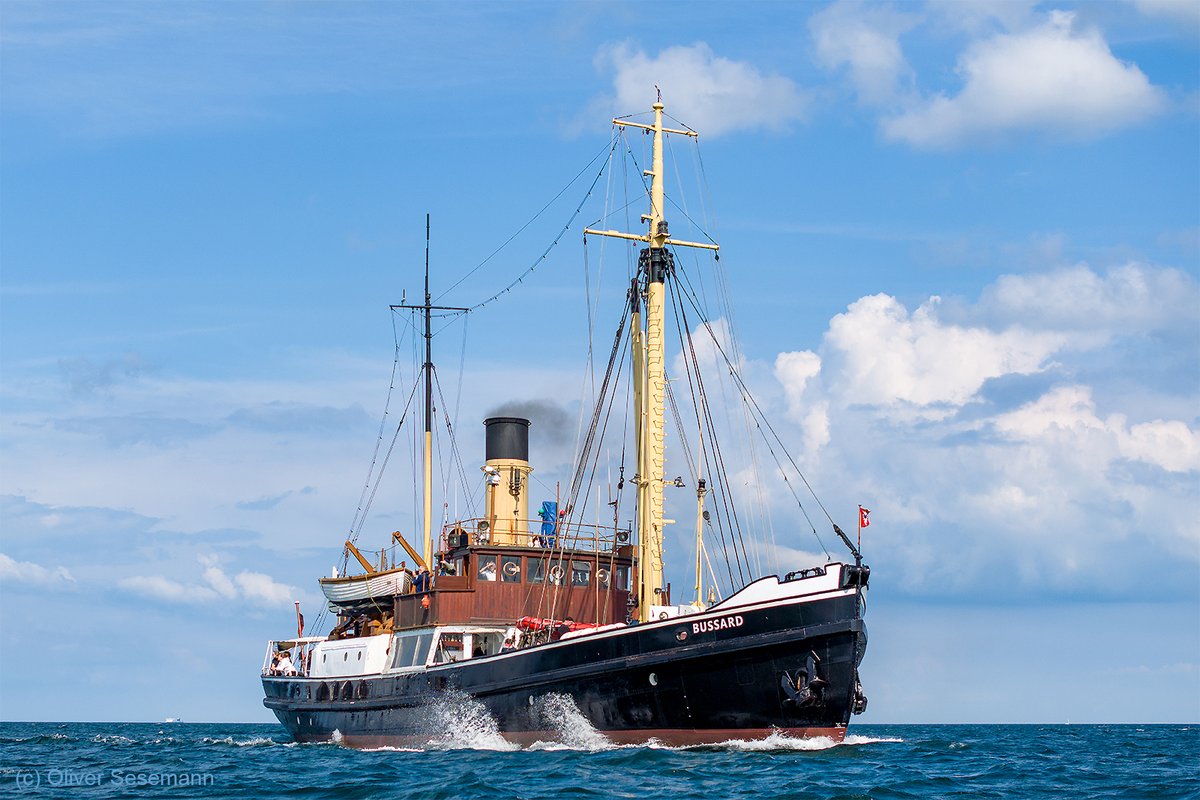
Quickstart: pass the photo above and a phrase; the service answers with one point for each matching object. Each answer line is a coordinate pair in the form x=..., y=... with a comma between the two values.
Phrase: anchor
x=808, y=687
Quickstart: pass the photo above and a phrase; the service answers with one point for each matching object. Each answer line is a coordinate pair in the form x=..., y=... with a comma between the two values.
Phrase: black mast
x=428, y=344
x=427, y=308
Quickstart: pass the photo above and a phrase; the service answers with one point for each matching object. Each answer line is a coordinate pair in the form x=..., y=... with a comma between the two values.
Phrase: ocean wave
x=114, y=738
x=45, y=738
x=782, y=742
x=257, y=741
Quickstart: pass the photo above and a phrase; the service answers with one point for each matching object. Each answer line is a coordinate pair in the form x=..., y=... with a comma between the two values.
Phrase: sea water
x=471, y=760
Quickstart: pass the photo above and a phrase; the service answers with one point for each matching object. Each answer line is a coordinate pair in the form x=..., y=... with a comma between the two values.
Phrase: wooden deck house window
x=487, y=568
x=535, y=570
x=510, y=569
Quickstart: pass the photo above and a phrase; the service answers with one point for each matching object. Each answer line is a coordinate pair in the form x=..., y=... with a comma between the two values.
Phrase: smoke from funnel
x=551, y=425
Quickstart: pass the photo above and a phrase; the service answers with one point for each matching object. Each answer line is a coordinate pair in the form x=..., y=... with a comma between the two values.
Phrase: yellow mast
x=637, y=351
x=654, y=266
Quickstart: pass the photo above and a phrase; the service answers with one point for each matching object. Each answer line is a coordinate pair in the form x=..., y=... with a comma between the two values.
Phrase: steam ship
x=507, y=610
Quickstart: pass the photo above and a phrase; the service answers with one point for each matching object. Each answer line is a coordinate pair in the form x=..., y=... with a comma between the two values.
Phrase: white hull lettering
x=719, y=624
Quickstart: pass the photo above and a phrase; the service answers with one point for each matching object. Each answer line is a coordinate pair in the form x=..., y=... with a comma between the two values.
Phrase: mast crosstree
x=649, y=366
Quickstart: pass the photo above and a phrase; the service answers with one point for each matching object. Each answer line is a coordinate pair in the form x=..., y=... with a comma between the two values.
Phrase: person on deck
x=509, y=645
x=285, y=664
x=549, y=517
x=421, y=582
x=561, y=628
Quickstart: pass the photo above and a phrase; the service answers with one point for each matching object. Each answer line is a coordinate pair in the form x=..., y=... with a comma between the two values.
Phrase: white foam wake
x=558, y=713
x=257, y=741
x=779, y=741
x=464, y=724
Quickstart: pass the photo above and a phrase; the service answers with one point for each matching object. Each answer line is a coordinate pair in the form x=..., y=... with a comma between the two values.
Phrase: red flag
x=299, y=621
x=864, y=517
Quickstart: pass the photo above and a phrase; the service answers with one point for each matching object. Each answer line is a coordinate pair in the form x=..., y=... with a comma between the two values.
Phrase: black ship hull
x=788, y=666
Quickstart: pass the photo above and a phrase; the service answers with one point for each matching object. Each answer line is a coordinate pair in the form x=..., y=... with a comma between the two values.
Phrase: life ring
x=663, y=615
x=602, y=575
x=557, y=572
x=511, y=569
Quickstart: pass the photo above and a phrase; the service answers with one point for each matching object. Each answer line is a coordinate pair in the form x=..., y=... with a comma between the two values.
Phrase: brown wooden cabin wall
x=468, y=599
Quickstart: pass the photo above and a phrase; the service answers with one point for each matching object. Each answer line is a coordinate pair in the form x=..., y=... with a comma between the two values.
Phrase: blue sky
x=962, y=243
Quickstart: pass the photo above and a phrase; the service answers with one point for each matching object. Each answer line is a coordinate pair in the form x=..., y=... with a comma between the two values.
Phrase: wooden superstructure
x=498, y=584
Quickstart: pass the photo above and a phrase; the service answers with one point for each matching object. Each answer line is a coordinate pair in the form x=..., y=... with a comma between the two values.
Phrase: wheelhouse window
x=581, y=573
x=487, y=568
x=485, y=644
x=539, y=568
x=621, y=578
x=510, y=569
x=449, y=648
x=411, y=650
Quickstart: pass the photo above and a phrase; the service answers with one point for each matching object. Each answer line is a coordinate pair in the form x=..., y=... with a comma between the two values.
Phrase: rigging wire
x=761, y=421
x=533, y=219
x=716, y=469
x=388, y=455
x=521, y=278
x=397, y=338
x=455, y=451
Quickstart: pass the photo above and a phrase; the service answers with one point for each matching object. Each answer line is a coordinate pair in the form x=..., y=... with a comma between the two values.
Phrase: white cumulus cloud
x=794, y=371
x=1052, y=77
x=1132, y=296
x=865, y=40
x=162, y=588
x=263, y=589
x=254, y=587
x=1067, y=417
x=891, y=356
x=216, y=578
x=969, y=430
x=13, y=571
x=710, y=93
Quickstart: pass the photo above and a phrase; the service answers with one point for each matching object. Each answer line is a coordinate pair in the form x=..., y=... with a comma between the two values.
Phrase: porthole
x=360, y=655
x=345, y=656
x=530, y=699
x=654, y=679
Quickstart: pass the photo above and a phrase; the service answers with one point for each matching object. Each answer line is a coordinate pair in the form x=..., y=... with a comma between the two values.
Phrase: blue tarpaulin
x=549, y=515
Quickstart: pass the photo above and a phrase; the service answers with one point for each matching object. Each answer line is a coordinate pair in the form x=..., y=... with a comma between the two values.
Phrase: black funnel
x=507, y=437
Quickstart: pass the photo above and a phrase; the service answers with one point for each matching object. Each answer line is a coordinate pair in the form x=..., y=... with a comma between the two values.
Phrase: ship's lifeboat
x=356, y=589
